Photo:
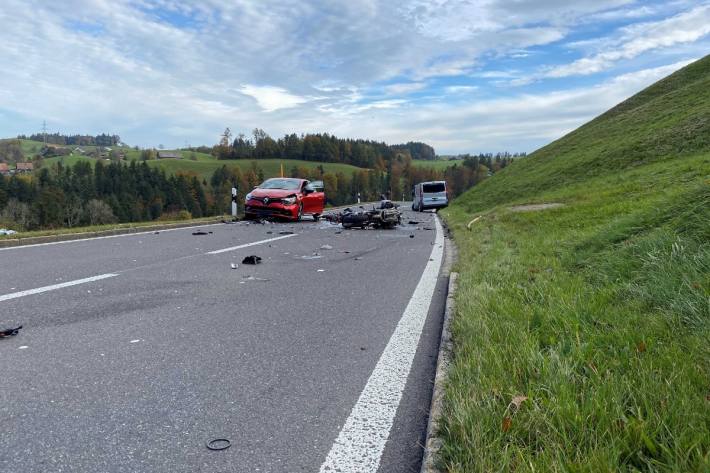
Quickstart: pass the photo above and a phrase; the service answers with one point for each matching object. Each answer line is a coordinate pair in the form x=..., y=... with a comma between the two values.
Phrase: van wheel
x=421, y=207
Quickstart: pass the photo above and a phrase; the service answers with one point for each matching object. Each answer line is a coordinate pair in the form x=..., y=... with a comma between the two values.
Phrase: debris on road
x=252, y=259
x=201, y=232
x=286, y=232
x=411, y=235
x=218, y=444
x=412, y=222
x=326, y=247
x=253, y=278
x=233, y=265
x=320, y=270
x=9, y=332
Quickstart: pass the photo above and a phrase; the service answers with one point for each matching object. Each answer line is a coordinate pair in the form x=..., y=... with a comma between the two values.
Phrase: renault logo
x=266, y=201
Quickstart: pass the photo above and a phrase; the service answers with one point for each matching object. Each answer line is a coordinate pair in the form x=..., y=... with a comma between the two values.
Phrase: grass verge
x=582, y=333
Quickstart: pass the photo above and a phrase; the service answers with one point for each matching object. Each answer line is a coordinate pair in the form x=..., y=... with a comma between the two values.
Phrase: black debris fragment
x=285, y=232
x=269, y=232
x=411, y=236
x=9, y=332
x=413, y=222
x=253, y=259
x=219, y=444
x=200, y=232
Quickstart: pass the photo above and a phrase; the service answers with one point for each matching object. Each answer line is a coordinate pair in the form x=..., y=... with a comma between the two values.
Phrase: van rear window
x=431, y=188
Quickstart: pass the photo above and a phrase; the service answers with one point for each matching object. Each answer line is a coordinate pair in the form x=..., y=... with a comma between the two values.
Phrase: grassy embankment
x=582, y=333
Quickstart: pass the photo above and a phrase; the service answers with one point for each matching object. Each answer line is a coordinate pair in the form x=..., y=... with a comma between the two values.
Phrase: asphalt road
x=135, y=372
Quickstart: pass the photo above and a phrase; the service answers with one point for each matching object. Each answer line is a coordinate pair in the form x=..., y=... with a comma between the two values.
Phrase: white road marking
x=106, y=237
x=245, y=245
x=29, y=292
x=362, y=440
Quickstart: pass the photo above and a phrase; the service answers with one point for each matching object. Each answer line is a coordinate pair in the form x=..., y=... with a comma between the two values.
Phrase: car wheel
x=300, y=212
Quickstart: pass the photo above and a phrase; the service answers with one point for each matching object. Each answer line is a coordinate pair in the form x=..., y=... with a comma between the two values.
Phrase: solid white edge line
x=245, y=245
x=105, y=237
x=53, y=287
x=362, y=440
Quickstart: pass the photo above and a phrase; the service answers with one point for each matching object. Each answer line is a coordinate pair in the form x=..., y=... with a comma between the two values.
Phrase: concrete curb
x=432, y=443
x=7, y=243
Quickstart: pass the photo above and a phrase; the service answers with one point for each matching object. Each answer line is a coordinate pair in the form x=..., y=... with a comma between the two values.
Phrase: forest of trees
x=317, y=147
x=75, y=140
x=91, y=194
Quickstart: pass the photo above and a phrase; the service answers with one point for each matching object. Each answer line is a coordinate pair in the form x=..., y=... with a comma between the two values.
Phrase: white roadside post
x=234, y=202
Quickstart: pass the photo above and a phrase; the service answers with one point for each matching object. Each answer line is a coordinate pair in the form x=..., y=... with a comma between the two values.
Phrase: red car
x=285, y=197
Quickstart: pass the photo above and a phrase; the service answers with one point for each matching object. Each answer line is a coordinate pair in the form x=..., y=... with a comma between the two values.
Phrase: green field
x=204, y=167
x=438, y=164
x=582, y=332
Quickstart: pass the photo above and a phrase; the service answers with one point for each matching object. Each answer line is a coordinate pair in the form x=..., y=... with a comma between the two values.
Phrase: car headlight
x=248, y=197
x=289, y=200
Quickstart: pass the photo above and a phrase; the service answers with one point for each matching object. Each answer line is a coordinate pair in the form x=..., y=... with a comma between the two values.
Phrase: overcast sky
x=463, y=76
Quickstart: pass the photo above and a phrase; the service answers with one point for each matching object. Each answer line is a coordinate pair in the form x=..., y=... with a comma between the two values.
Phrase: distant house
x=24, y=167
x=169, y=155
x=4, y=169
x=79, y=150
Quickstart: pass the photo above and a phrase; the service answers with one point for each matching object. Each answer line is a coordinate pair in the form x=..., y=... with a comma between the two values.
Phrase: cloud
x=272, y=98
x=637, y=39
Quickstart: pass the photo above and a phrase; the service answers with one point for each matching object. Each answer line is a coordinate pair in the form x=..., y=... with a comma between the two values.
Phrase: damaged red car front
x=287, y=198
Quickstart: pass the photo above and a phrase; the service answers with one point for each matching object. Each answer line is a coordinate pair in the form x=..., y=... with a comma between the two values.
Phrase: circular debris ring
x=215, y=444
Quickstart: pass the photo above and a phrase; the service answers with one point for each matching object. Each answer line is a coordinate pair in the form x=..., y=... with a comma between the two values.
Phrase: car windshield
x=434, y=187
x=287, y=184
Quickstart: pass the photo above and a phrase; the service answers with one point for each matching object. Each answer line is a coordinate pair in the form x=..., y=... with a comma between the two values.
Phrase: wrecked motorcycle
x=386, y=215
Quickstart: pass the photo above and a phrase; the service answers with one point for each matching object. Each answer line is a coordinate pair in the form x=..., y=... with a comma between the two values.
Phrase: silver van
x=429, y=195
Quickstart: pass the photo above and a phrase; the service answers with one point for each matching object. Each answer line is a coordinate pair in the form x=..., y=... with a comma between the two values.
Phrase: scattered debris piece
x=22, y=347
x=412, y=222
x=411, y=236
x=253, y=278
x=338, y=232
x=201, y=232
x=326, y=247
x=156, y=233
x=269, y=232
x=320, y=270
x=135, y=341
x=9, y=332
x=357, y=258
x=427, y=228
x=233, y=265
x=285, y=232
x=386, y=215
x=517, y=401
x=218, y=444
x=252, y=259
x=313, y=256
x=472, y=222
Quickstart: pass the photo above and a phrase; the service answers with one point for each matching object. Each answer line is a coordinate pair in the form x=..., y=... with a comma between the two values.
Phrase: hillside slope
x=582, y=331
x=668, y=120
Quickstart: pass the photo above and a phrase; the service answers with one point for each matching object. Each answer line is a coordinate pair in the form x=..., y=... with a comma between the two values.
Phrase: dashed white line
x=245, y=245
x=29, y=292
x=362, y=440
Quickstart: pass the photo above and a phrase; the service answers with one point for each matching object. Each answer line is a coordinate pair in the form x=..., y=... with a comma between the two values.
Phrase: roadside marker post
x=234, y=201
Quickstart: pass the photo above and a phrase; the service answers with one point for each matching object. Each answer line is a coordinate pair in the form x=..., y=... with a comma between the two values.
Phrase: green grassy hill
x=582, y=331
